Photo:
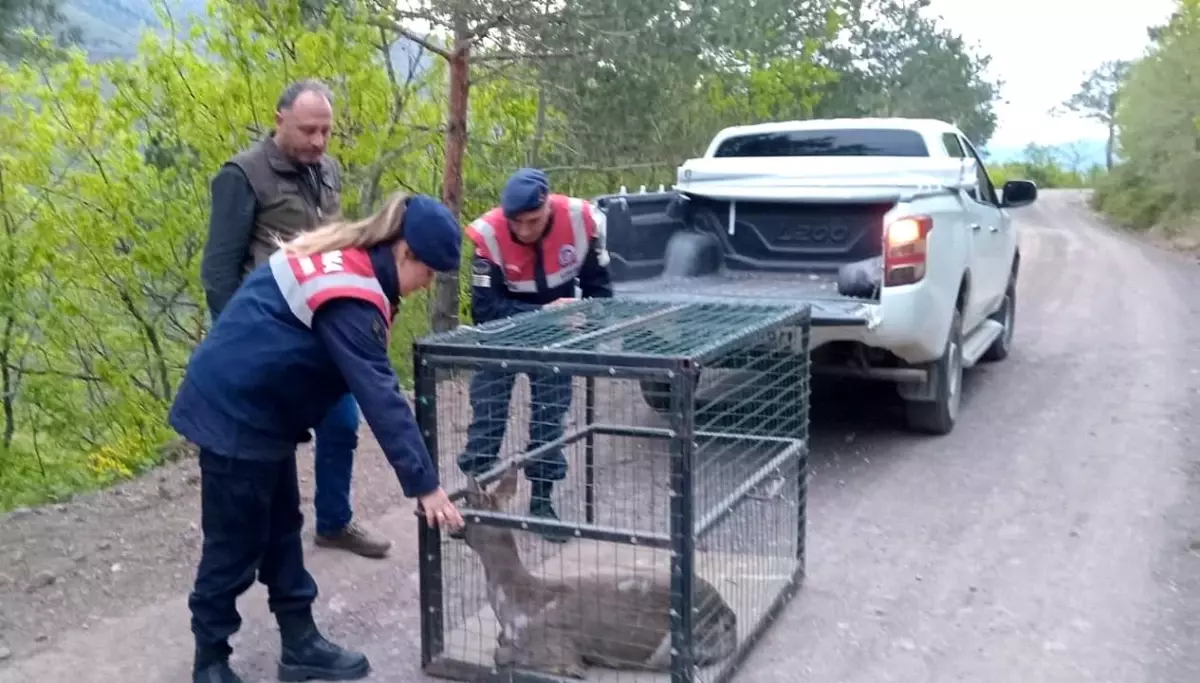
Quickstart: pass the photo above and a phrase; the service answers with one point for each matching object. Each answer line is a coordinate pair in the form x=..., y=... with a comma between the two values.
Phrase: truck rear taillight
x=904, y=242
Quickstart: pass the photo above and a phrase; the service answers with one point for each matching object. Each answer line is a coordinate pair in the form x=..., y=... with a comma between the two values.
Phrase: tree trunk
x=445, y=310
x=8, y=389
x=539, y=128
x=1108, y=148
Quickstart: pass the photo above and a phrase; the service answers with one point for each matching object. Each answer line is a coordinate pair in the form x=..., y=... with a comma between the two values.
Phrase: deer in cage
x=559, y=627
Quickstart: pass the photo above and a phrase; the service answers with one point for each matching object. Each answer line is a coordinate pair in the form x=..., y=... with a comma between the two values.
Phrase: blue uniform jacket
x=262, y=379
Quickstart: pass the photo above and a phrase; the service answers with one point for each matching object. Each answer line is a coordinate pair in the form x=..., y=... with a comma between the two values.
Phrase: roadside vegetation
x=1154, y=105
x=1048, y=167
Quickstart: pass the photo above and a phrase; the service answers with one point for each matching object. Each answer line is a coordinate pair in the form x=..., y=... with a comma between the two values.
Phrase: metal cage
x=710, y=398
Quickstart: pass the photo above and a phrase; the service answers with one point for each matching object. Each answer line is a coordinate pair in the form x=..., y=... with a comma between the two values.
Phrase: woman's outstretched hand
x=440, y=512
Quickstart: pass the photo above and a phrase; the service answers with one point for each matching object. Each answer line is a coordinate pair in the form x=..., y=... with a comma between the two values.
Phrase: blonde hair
x=382, y=226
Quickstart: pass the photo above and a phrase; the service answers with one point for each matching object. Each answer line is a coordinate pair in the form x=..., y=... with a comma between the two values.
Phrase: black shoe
x=216, y=672
x=540, y=506
x=306, y=655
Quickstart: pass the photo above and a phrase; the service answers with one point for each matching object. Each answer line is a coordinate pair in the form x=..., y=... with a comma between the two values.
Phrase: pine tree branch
x=395, y=25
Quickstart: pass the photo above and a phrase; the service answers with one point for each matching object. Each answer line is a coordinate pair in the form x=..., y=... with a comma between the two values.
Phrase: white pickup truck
x=890, y=228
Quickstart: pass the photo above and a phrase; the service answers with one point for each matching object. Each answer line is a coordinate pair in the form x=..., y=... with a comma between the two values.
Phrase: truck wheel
x=939, y=415
x=1006, y=316
x=657, y=395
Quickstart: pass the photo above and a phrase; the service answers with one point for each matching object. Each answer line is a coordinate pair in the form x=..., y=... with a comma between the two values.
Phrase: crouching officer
x=305, y=327
x=530, y=252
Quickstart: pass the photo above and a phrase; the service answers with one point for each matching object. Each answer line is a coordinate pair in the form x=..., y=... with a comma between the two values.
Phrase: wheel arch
x=964, y=288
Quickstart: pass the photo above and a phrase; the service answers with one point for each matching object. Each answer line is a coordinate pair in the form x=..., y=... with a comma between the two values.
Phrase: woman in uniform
x=305, y=327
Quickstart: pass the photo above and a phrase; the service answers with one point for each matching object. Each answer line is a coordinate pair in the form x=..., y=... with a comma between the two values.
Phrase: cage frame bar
x=474, y=362
x=591, y=531
x=587, y=532
x=631, y=322
x=683, y=547
x=741, y=493
x=429, y=545
x=503, y=463
x=589, y=450
x=438, y=345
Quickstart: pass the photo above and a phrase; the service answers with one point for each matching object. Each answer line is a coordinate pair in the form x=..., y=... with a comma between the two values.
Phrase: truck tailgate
x=820, y=290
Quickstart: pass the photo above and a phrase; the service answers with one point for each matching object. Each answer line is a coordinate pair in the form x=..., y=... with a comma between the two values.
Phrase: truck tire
x=1006, y=316
x=939, y=415
x=657, y=395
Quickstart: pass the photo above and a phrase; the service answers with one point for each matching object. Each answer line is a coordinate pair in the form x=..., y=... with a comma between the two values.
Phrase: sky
x=1043, y=49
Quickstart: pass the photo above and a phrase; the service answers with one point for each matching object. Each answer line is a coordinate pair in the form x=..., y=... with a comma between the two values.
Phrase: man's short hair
x=295, y=90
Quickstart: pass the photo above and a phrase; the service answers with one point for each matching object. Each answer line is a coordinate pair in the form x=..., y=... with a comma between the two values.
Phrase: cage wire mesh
x=641, y=489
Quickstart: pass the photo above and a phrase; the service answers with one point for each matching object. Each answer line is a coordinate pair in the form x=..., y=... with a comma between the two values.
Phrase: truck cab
x=889, y=228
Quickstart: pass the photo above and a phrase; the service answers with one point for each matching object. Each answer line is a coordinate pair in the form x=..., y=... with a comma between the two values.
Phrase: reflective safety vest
x=261, y=378
x=564, y=247
x=306, y=282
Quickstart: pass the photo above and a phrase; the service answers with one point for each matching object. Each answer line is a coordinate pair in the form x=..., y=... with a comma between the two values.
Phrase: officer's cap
x=432, y=233
x=526, y=189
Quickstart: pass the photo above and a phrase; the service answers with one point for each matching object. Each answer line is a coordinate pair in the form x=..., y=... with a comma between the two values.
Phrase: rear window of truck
x=826, y=143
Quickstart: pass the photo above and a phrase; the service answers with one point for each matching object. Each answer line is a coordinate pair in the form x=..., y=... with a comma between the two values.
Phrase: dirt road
x=1055, y=536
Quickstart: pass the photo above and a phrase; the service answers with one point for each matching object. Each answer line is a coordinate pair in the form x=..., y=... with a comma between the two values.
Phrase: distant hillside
x=1080, y=155
x=112, y=28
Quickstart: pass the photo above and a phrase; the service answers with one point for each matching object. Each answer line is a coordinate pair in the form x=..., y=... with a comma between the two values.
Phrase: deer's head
x=483, y=536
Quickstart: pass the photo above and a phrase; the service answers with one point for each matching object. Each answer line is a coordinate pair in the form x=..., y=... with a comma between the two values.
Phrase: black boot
x=212, y=666
x=306, y=655
x=217, y=672
x=540, y=506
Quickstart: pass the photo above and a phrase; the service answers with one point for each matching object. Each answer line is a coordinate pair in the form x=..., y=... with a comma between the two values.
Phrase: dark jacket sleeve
x=489, y=299
x=229, y=229
x=353, y=331
x=595, y=281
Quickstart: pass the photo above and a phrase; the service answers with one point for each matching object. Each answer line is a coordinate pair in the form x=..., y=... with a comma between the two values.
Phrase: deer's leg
x=660, y=660
x=503, y=656
x=569, y=662
x=548, y=650
x=565, y=654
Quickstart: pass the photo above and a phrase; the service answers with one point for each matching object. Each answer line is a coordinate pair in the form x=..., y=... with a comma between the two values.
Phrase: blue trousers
x=336, y=438
x=490, y=394
x=251, y=518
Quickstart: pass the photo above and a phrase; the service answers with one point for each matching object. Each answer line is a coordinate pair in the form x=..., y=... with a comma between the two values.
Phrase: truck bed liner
x=829, y=308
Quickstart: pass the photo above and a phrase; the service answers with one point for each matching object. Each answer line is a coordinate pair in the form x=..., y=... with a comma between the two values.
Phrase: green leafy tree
x=1097, y=99
x=892, y=60
x=103, y=213
x=1159, y=130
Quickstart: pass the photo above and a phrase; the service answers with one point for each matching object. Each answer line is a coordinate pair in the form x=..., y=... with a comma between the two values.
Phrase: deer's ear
x=507, y=486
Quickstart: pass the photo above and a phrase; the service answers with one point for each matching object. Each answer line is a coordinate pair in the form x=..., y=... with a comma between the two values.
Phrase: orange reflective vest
x=563, y=248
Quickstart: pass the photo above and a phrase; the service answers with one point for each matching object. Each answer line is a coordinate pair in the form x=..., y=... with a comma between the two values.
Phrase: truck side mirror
x=1018, y=193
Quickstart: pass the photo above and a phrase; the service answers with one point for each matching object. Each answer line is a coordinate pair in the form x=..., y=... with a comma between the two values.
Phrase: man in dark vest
x=284, y=185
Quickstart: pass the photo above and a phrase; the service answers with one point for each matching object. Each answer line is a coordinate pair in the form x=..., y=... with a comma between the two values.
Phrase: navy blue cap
x=526, y=189
x=432, y=233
